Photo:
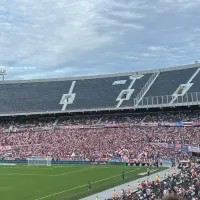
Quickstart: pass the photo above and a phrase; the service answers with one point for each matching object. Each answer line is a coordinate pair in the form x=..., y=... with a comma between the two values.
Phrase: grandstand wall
x=171, y=87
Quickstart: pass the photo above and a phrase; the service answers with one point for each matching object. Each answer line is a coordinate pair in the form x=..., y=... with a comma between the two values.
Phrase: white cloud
x=20, y=68
x=81, y=37
x=129, y=57
x=182, y=4
x=128, y=15
x=156, y=48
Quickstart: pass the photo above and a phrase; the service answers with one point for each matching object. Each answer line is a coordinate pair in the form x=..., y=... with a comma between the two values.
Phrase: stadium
x=91, y=137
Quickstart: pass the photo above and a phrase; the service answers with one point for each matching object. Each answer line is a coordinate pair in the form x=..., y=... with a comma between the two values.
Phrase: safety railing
x=165, y=101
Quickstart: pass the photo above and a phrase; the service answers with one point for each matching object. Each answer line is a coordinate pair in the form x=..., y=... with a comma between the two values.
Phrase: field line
x=10, y=174
x=80, y=170
x=19, y=174
x=38, y=167
x=81, y=186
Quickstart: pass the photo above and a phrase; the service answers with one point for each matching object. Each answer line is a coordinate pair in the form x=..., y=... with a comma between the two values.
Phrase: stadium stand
x=134, y=117
x=162, y=86
x=119, y=118
x=167, y=117
x=41, y=137
x=106, y=92
x=78, y=120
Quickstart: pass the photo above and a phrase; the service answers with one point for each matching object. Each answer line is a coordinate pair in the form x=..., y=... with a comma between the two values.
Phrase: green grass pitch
x=61, y=182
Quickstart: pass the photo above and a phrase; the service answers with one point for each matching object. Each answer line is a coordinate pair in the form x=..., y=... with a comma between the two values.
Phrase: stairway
x=145, y=89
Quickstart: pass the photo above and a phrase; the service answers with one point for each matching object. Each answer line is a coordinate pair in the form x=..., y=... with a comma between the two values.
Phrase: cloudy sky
x=61, y=38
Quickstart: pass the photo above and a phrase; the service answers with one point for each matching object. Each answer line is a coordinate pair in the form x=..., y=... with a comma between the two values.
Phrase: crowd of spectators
x=28, y=137
x=130, y=118
x=78, y=120
x=136, y=118
x=167, y=117
x=185, y=185
x=5, y=124
x=194, y=116
x=21, y=124
x=33, y=122
x=101, y=143
x=125, y=118
x=24, y=138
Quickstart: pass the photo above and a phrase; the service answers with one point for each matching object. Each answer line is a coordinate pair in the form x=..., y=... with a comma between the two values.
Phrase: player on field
x=89, y=186
x=123, y=175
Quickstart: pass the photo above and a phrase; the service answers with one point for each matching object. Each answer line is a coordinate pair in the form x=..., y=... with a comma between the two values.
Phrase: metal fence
x=169, y=100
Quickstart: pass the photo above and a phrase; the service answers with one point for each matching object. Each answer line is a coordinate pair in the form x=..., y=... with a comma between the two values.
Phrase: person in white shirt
x=165, y=192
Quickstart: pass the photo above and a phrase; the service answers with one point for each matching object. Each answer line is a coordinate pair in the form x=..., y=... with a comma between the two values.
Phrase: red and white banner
x=96, y=126
x=117, y=125
x=76, y=127
x=148, y=124
x=188, y=123
x=196, y=123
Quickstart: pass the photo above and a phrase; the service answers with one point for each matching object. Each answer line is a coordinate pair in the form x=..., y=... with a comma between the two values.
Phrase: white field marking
x=41, y=167
x=66, y=166
x=7, y=164
x=47, y=175
x=54, y=167
x=80, y=170
x=80, y=166
x=25, y=167
x=10, y=174
x=80, y=186
x=51, y=167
